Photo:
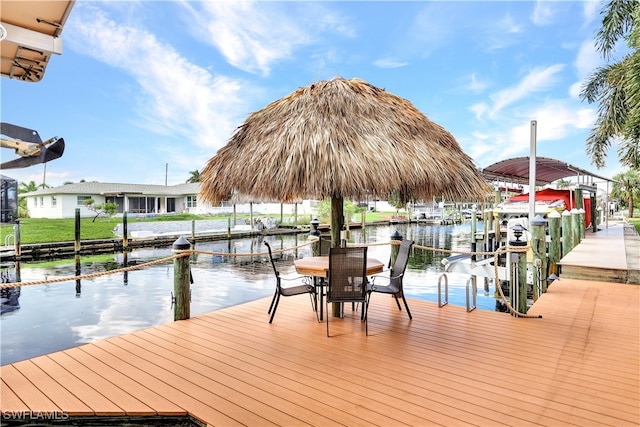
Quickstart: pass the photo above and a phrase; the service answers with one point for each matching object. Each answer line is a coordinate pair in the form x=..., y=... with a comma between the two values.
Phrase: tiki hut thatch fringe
x=341, y=138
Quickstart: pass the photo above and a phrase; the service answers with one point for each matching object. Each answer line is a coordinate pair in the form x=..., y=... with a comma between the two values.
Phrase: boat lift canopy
x=547, y=171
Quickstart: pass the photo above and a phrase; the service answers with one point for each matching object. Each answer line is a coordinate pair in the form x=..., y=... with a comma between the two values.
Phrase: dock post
x=496, y=230
x=575, y=227
x=125, y=232
x=582, y=223
x=554, y=243
x=316, y=247
x=487, y=217
x=474, y=226
x=181, y=281
x=395, y=248
x=77, y=235
x=539, y=248
x=16, y=239
x=579, y=202
x=518, y=271
x=567, y=238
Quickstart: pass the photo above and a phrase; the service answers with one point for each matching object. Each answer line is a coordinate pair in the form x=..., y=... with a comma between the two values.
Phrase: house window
x=41, y=201
x=54, y=201
x=35, y=201
x=192, y=201
x=81, y=200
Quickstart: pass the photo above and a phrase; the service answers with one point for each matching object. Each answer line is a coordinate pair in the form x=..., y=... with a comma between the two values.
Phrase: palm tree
x=626, y=187
x=27, y=187
x=563, y=183
x=194, y=177
x=616, y=87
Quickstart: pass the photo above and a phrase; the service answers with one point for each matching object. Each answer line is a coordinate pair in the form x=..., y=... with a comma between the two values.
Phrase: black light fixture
x=518, y=231
x=315, y=223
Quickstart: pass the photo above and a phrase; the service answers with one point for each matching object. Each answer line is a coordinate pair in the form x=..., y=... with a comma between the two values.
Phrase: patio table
x=318, y=268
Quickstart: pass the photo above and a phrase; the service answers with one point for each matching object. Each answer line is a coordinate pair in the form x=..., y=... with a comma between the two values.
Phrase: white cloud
x=389, y=63
x=503, y=33
x=177, y=98
x=591, y=8
x=474, y=84
x=587, y=59
x=479, y=109
x=543, y=13
x=558, y=121
x=253, y=36
x=250, y=35
x=536, y=80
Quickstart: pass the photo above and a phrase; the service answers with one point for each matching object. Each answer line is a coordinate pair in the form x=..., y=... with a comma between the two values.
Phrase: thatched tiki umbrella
x=340, y=138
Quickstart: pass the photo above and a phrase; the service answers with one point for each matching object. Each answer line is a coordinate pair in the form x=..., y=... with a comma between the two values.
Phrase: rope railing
x=180, y=254
x=312, y=239
x=96, y=274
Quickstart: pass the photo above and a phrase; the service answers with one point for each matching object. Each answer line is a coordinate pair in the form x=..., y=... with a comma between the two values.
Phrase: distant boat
x=547, y=200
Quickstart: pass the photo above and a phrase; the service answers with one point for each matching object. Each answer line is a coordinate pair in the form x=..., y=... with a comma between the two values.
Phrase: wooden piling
x=539, y=248
x=77, y=232
x=487, y=217
x=395, y=248
x=579, y=202
x=474, y=225
x=554, y=243
x=567, y=237
x=16, y=239
x=125, y=233
x=181, y=281
x=496, y=229
x=575, y=227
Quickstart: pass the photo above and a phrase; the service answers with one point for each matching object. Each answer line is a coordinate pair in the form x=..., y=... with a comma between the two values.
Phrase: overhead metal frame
x=548, y=170
x=30, y=35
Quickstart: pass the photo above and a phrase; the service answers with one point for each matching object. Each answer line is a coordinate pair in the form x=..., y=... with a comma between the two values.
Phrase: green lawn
x=44, y=230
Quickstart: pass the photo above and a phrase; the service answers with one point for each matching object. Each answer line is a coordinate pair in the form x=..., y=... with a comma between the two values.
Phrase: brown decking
x=578, y=365
x=607, y=255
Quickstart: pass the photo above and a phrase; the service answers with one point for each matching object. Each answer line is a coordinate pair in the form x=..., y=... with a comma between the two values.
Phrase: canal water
x=40, y=319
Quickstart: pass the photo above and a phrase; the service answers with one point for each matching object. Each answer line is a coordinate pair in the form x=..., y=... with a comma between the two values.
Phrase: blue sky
x=150, y=90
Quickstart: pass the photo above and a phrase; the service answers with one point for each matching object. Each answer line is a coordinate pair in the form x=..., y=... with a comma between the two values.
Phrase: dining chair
x=306, y=287
x=347, y=280
x=395, y=278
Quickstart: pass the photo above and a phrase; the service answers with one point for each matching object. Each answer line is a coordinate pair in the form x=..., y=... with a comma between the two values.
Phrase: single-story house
x=141, y=199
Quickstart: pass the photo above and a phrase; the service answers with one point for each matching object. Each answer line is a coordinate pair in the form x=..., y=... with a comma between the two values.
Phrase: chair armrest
x=295, y=277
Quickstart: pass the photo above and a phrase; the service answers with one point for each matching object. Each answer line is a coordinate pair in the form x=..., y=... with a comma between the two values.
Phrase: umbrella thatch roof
x=342, y=139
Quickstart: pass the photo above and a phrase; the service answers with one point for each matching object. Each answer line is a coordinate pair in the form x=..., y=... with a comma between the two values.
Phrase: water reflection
x=62, y=315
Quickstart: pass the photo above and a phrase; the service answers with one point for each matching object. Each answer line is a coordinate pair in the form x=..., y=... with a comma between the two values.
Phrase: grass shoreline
x=45, y=230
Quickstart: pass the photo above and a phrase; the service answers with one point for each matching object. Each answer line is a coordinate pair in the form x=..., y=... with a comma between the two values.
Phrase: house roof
x=112, y=189
x=547, y=170
x=30, y=35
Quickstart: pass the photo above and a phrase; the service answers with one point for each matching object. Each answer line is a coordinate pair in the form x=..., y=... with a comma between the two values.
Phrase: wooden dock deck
x=608, y=255
x=577, y=365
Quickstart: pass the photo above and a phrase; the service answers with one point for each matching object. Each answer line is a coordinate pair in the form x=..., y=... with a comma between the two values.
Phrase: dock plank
x=61, y=396
x=160, y=367
x=63, y=373
x=11, y=403
x=156, y=380
x=107, y=364
x=28, y=392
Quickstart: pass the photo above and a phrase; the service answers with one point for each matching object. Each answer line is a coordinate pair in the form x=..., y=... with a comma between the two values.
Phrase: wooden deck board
x=62, y=397
x=598, y=256
x=10, y=401
x=577, y=365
